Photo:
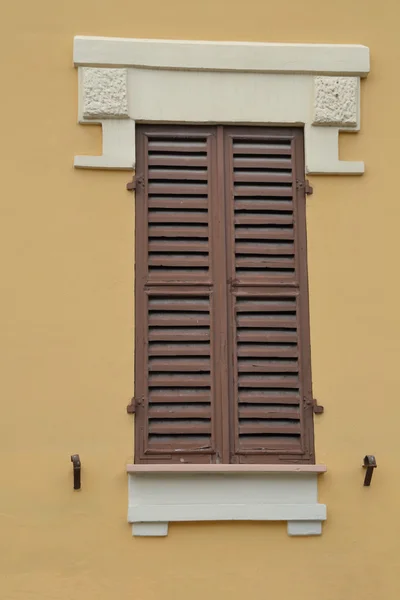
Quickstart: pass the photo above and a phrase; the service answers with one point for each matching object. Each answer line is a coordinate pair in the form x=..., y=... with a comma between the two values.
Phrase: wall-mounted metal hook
x=370, y=465
x=76, y=461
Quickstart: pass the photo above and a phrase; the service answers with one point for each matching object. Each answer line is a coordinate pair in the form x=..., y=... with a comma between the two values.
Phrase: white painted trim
x=118, y=147
x=226, y=512
x=150, y=529
x=214, y=468
x=322, y=153
x=335, y=59
x=304, y=528
x=161, y=498
x=219, y=82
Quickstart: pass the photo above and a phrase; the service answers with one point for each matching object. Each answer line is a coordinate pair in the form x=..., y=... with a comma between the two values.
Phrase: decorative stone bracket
x=126, y=80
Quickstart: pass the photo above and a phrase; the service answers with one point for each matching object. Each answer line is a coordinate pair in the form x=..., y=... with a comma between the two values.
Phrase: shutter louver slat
x=172, y=145
x=255, y=234
x=180, y=173
x=172, y=159
x=177, y=203
x=270, y=205
x=267, y=148
x=257, y=162
x=261, y=191
x=186, y=215
x=185, y=234
x=264, y=175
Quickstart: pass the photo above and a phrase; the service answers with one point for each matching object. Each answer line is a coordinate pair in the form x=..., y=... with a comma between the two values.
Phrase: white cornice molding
x=332, y=59
x=122, y=81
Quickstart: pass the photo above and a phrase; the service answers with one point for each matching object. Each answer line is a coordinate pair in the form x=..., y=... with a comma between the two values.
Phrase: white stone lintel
x=310, y=85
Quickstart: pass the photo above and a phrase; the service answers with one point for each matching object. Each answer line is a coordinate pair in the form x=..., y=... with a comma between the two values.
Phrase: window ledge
x=160, y=494
x=190, y=468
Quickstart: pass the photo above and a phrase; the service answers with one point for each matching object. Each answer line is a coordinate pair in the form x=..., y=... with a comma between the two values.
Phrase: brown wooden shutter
x=179, y=237
x=271, y=398
x=222, y=357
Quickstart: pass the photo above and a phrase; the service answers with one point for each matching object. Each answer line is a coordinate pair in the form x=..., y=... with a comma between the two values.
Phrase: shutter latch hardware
x=134, y=403
x=304, y=185
x=137, y=181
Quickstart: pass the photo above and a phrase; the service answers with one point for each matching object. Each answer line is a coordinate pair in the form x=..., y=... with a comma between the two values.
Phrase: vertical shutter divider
x=232, y=416
x=219, y=274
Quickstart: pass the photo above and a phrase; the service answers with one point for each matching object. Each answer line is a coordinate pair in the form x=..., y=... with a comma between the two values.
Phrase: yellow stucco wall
x=66, y=324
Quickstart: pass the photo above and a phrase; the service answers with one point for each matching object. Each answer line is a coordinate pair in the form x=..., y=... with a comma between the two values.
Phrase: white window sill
x=160, y=494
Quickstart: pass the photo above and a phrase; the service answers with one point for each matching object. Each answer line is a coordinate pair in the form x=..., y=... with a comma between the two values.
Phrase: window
x=222, y=353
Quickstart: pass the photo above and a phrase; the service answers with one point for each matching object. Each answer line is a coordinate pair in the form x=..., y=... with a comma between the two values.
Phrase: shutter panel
x=271, y=396
x=176, y=383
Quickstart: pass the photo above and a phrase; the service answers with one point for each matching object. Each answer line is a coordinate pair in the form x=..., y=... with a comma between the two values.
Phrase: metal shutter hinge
x=134, y=404
x=313, y=402
x=304, y=185
x=137, y=181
